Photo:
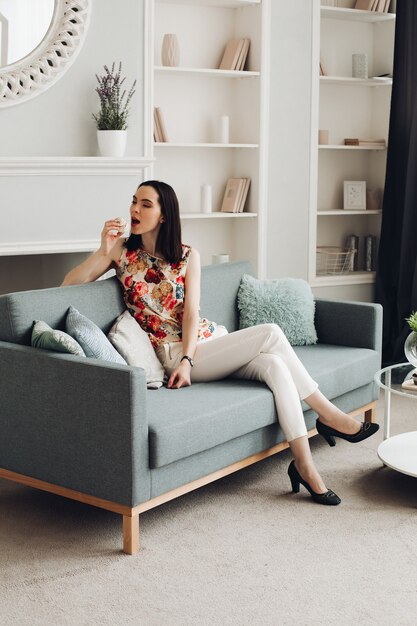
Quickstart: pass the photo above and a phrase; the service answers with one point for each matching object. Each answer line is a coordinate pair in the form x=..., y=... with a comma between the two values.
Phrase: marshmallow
x=122, y=223
x=122, y=227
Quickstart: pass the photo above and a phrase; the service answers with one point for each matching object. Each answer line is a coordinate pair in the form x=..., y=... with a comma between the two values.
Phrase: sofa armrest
x=357, y=324
x=75, y=422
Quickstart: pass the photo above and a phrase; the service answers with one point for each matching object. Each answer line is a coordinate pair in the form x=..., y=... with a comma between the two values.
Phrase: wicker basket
x=334, y=260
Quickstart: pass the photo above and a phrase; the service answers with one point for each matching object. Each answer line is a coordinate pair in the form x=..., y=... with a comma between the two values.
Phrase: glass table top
x=398, y=379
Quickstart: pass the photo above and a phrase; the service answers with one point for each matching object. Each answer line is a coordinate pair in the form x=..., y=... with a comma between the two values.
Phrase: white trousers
x=260, y=353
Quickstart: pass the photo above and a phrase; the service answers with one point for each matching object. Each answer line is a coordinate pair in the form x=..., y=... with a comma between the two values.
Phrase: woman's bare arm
x=181, y=376
x=100, y=261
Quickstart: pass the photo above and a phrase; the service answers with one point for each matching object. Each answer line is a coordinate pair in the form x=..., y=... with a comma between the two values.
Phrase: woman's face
x=145, y=212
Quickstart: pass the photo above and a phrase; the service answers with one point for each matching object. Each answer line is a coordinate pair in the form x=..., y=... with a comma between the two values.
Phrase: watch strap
x=189, y=359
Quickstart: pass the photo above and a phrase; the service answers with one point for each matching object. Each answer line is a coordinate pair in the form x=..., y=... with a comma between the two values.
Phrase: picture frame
x=354, y=195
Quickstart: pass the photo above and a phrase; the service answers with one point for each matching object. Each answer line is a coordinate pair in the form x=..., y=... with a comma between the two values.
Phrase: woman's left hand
x=181, y=376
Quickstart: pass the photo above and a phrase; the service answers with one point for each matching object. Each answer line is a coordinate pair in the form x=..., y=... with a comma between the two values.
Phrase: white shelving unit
x=192, y=98
x=348, y=107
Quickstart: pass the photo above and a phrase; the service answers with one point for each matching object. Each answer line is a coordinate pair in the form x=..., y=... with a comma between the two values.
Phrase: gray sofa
x=90, y=430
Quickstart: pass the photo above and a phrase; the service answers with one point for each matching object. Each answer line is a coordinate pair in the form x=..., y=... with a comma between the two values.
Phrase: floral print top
x=154, y=292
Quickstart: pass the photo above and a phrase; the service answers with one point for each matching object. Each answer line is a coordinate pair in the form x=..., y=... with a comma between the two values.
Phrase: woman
x=161, y=281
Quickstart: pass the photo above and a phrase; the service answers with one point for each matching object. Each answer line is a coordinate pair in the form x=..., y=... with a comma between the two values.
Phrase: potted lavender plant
x=112, y=117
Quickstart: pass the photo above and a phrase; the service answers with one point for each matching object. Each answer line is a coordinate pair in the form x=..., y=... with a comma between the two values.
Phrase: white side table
x=398, y=452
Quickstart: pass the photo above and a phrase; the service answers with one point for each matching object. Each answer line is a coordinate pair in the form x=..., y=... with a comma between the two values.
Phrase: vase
x=360, y=65
x=112, y=143
x=170, y=52
x=410, y=348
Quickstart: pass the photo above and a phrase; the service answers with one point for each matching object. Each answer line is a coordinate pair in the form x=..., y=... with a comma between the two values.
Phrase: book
x=235, y=195
x=243, y=55
x=364, y=5
x=161, y=125
x=377, y=143
x=157, y=130
x=370, y=143
x=232, y=195
x=231, y=54
x=243, y=195
x=380, y=6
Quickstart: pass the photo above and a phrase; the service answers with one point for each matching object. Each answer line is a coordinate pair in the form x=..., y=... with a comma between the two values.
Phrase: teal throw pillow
x=45, y=337
x=91, y=338
x=288, y=302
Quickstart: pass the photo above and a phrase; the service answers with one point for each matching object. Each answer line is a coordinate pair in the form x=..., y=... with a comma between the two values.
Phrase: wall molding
x=73, y=166
x=48, y=247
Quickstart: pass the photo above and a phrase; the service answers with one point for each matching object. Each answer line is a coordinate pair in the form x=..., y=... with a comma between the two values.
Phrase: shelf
x=216, y=215
x=349, y=278
x=342, y=147
x=195, y=96
x=170, y=144
x=200, y=71
x=73, y=166
x=340, y=212
x=360, y=82
x=340, y=97
x=355, y=15
x=227, y=4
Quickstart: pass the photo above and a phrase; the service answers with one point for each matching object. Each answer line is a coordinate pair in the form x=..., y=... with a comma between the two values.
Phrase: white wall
x=289, y=138
x=59, y=123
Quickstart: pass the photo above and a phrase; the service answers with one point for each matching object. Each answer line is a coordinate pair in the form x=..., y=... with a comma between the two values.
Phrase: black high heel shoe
x=329, y=497
x=367, y=430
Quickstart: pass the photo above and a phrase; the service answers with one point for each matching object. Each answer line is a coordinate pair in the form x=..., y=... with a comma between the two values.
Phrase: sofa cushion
x=339, y=369
x=47, y=338
x=101, y=302
x=219, y=287
x=189, y=420
x=287, y=302
x=133, y=343
x=92, y=340
x=193, y=419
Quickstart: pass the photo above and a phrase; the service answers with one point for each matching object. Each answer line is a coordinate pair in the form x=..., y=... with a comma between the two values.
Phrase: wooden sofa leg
x=370, y=414
x=131, y=542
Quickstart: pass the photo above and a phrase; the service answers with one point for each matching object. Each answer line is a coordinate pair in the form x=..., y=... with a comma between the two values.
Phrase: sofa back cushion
x=219, y=287
x=102, y=301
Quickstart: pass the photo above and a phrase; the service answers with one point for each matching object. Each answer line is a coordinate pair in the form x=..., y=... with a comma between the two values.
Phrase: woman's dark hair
x=169, y=242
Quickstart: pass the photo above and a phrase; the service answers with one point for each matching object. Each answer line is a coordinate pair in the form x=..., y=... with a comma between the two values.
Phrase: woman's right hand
x=112, y=231
x=102, y=259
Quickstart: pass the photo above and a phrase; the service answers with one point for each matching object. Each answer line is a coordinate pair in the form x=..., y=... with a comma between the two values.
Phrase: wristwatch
x=189, y=359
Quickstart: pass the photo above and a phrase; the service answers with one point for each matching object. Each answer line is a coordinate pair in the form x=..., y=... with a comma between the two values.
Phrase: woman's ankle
x=311, y=475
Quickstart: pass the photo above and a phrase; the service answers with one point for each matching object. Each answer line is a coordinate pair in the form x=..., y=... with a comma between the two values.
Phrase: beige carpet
x=241, y=551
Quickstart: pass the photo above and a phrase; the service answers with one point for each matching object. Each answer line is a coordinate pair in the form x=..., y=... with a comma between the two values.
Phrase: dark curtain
x=396, y=279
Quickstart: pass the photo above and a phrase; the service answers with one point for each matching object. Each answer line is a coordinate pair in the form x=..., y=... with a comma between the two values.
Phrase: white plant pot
x=112, y=143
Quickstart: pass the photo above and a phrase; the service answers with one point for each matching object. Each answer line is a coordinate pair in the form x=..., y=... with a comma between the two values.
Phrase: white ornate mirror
x=39, y=40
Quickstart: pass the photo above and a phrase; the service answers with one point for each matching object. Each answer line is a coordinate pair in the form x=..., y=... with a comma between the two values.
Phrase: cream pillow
x=135, y=347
